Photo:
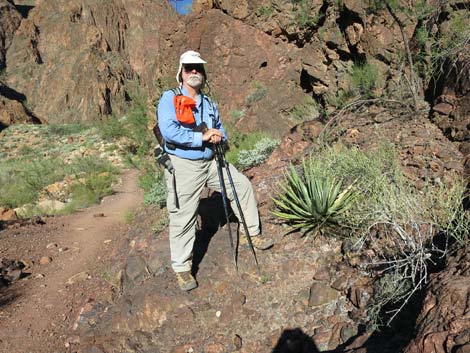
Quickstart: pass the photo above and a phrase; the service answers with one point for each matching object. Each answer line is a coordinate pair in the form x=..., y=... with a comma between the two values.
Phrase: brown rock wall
x=443, y=325
x=257, y=75
x=90, y=41
x=10, y=20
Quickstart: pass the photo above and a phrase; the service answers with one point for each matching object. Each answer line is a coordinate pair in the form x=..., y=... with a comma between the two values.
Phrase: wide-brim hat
x=189, y=57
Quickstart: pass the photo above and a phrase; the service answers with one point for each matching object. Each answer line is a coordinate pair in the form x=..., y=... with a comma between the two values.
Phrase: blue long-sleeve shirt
x=189, y=144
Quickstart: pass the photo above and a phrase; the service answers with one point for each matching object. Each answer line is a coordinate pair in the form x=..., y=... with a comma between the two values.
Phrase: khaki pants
x=191, y=176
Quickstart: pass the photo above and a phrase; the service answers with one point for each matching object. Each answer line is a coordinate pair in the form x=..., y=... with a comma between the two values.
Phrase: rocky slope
x=268, y=64
x=310, y=295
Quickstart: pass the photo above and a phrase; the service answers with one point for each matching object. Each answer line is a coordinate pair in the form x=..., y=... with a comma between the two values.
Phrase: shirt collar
x=185, y=93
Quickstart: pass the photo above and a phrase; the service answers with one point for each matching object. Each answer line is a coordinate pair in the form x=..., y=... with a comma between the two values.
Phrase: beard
x=195, y=81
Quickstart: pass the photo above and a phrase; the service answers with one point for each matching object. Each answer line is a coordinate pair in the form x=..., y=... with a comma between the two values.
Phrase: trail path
x=36, y=313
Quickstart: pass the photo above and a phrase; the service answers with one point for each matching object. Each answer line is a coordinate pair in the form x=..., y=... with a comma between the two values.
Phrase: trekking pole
x=224, y=201
x=221, y=160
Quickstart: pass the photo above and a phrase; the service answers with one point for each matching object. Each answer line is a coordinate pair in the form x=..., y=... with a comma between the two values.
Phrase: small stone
x=218, y=313
x=321, y=293
x=443, y=108
x=98, y=214
x=64, y=249
x=73, y=340
x=290, y=246
x=78, y=277
x=341, y=283
x=51, y=246
x=107, y=241
x=303, y=296
x=238, y=342
x=45, y=260
x=39, y=275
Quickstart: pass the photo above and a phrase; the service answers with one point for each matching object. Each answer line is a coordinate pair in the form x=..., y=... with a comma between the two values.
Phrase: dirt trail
x=37, y=313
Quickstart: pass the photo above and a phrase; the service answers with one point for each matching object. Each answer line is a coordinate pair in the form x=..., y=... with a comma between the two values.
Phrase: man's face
x=193, y=75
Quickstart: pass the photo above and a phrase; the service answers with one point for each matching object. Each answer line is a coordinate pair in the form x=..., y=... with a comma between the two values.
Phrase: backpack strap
x=177, y=91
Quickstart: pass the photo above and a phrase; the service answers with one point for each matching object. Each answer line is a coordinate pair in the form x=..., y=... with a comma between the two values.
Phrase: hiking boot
x=259, y=242
x=186, y=280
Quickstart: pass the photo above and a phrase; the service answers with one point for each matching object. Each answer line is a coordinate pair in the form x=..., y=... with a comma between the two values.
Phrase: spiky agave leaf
x=309, y=202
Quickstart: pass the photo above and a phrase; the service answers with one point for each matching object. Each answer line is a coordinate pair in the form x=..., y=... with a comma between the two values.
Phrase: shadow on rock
x=295, y=341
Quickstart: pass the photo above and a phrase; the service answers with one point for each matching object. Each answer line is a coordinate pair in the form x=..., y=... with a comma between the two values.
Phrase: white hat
x=189, y=57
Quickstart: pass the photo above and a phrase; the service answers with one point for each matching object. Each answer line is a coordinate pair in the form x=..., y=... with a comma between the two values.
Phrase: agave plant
x=310, y=202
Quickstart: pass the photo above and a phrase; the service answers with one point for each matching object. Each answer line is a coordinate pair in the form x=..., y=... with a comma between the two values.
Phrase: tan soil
x=37, y=313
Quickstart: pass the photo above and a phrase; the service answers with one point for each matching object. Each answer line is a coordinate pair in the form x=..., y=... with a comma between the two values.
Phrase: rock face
x=451, y=111
x=443, y=324
x=10, y=20
x=76, y=62
x=88, y=43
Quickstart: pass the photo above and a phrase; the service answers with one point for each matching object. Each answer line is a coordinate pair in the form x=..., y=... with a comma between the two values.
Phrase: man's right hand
x=212, y=136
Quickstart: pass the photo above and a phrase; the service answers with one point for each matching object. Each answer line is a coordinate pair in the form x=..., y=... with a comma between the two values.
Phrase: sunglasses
x=191, y=67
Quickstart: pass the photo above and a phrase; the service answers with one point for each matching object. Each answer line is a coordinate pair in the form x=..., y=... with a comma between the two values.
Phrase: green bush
x=157, y=192
x=265, y=11
x=21, y=181
x=91, y=189
x=340, y=99
x=65, y=129
x=240, y=141
x=112, y=128
x=258, y=155
x=236, y=115
x=258, y=92
x=309, y=109
x=364, y=79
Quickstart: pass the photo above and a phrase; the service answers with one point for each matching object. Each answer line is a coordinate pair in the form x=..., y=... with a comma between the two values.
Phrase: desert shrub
x=157, y=192
x=259, y=90
x=364, y=78
x=340, y=99
x=309, y=109
x=91, y=189
x=236, y=115
x=396, y=222
x=21, y=181
x=258, y=155
x=453, y=40
x=238, y=141
x=65, y=129
x=265, y=11
x=112, y=128
x=303, y=16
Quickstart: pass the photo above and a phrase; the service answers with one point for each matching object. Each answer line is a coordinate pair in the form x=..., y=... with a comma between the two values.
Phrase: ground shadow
x=295, y=341
x=211, y=219
x=7, y=295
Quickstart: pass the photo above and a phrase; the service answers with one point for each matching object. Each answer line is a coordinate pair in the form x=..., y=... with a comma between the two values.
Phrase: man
x=189, y=143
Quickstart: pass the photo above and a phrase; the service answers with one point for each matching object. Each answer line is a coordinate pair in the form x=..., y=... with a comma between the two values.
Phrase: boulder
x=7, y=214
x=443, y=326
